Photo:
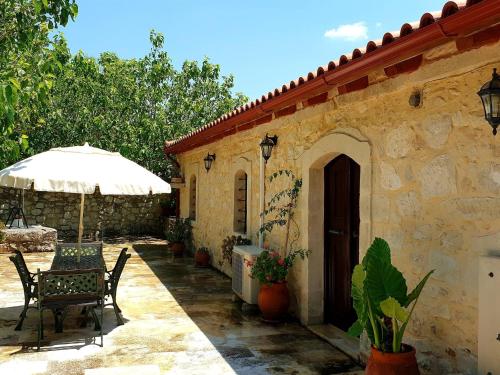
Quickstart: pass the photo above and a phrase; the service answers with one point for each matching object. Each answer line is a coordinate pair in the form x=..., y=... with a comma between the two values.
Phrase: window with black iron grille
x=192, y=198
x=240, y=202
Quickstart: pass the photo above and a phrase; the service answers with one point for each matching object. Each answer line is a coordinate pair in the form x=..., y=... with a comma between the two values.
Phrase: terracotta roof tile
x=427, y=19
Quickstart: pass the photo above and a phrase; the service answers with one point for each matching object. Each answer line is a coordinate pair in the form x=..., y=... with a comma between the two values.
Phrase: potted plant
x=271, y=270
x=384, y=308
x=177, y=233
x=202, y=257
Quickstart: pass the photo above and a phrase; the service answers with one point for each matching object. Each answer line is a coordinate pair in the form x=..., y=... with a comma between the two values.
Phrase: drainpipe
x=262, y=192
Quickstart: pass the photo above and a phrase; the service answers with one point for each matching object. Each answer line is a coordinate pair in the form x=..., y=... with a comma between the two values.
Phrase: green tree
x=30, y=57
x=133, y=106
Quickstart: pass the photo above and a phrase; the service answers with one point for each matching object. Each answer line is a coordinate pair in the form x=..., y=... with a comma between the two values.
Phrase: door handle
x=336, y=232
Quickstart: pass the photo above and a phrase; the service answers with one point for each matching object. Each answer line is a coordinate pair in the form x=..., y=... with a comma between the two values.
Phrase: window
x=192, y=198
x=240, y=202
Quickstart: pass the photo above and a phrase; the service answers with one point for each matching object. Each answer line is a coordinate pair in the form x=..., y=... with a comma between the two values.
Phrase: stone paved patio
x=179, y=320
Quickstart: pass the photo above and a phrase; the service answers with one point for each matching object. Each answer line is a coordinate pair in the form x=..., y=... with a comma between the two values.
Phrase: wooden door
x=341, y=233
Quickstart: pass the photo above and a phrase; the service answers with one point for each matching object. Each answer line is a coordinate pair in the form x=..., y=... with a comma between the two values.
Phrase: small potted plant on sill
x=271, y=270
x=202, y=257
x=384, y=308
x=177, y=233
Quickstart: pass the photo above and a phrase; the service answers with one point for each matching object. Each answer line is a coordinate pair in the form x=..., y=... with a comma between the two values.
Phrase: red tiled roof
x=455, y=19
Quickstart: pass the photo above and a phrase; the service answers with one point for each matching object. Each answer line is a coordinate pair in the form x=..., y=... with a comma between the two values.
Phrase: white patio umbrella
x=80, y=169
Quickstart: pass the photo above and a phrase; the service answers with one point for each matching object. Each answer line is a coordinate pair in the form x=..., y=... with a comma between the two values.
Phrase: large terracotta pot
x=177, y=248
x=274, y=301
x=201, y=259
x=404, y=363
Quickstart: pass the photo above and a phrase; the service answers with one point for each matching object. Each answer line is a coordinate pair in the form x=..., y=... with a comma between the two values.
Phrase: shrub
x=227, y=247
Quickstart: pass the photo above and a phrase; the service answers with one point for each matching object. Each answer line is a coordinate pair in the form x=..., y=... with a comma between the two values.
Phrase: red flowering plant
x=269, y=267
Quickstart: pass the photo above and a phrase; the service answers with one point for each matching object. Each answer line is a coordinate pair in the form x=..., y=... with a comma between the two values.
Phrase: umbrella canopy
x=80, y=169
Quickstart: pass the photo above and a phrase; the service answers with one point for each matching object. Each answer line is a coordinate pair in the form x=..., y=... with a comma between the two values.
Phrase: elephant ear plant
x=381, y=299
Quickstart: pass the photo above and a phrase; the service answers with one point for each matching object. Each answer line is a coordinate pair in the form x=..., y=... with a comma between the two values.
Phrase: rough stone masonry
x=116, y=215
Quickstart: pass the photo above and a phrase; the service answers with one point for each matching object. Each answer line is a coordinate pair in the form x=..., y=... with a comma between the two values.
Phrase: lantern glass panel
x=486, y=104
x=266, y=150
x=495, y=106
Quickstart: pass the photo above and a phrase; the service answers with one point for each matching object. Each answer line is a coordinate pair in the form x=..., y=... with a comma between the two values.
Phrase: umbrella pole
x=80, y=226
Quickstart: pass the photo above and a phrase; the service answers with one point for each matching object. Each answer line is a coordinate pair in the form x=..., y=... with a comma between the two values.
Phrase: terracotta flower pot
x=201, y=259
x=274, y=301
x=177, y=248
x=381, y=363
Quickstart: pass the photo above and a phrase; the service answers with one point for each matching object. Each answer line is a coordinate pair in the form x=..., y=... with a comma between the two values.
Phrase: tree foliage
x=49, y=98
x=133, y=106
x=30, y=58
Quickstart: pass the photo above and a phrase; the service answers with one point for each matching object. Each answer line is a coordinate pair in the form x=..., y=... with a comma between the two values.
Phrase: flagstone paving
x=178, y=320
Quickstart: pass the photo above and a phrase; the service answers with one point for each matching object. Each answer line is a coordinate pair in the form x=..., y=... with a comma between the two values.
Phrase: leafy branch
x=282, y=206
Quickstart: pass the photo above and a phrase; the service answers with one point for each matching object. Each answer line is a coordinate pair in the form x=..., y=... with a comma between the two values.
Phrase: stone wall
x=433, y=182
x=117, y=215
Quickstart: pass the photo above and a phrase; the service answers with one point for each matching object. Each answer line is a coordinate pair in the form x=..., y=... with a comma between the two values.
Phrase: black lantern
x=490, y=95
x=267, y=145
x=208, y=161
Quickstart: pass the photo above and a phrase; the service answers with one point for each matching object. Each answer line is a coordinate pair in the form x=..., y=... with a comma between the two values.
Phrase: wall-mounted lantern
x=267, y=145
x=490, y=96
x=208, y=161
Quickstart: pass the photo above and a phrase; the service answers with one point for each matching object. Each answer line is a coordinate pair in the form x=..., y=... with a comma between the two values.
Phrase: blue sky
x=262, y=43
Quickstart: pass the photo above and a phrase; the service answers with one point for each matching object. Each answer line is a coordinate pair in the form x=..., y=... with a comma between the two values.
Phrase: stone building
x=399, y=127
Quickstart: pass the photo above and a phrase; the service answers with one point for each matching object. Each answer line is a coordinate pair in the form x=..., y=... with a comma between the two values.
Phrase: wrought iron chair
x=112, y=282
x=29, y=285
x=60, y=289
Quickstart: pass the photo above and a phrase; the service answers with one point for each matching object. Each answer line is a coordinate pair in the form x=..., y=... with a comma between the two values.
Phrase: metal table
x=68, y=263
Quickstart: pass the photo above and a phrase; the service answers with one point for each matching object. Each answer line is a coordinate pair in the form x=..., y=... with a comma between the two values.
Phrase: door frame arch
x=351, y=143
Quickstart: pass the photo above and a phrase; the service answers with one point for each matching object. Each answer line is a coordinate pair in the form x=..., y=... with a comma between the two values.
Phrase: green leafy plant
x=381, y=299
x=228, y=244
x=281, y=206
x=203, y=250
x=269, y=267
x=179, y=230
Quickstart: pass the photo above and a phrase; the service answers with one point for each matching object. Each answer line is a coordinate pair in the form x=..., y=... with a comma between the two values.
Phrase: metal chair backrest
x=119, y=266
x=86, y=249
x=22, y=270
x=72, y=286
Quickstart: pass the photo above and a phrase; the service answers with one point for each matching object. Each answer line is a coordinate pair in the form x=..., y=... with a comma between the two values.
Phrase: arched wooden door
x=341, y=233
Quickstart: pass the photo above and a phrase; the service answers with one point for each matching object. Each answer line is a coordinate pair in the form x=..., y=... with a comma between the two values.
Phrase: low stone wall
x=28, y=240
x=116, y=215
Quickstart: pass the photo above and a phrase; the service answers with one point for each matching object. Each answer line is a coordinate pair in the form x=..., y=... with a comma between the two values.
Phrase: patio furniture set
x=77, y=277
